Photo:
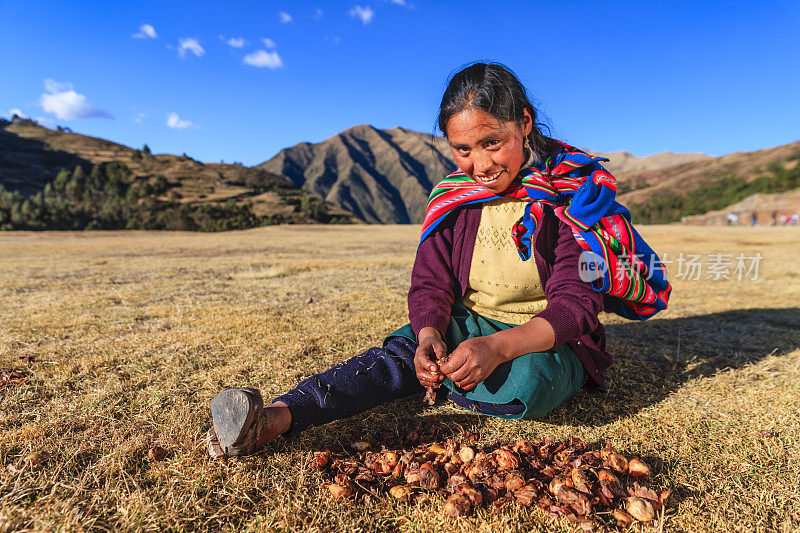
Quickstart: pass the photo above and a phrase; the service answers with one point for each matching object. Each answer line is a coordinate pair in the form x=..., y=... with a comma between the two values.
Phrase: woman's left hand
x=472, y=361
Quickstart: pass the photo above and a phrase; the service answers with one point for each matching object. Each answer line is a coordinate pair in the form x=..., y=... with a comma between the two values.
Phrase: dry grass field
x=134, y=332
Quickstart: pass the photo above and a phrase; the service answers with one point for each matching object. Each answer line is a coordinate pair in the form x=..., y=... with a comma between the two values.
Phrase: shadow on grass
x=381, y=425
x=652, y=359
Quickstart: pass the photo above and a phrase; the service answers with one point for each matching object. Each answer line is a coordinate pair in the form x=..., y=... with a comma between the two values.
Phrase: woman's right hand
x=431, y=349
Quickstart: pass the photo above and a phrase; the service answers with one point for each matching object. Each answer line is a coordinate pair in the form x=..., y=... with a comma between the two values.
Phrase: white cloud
x=262, y=58
x=139, y=117
x=269, y=43
x=285, y=17
x=398, y=2
x=235, y=42
x=317, y=14
x=16, y=111
x=364, y=13
x=190, y=45
x=66, y=104
x=146, y=31
x=175, y=122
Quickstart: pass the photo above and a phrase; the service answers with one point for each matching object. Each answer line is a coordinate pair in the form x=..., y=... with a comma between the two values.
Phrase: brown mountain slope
x=624, y=162
x=379, y=175
x=31, y=156
x=640, y=187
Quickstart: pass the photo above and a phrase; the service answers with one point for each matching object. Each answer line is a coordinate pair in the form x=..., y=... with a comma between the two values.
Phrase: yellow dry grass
x=134, y=332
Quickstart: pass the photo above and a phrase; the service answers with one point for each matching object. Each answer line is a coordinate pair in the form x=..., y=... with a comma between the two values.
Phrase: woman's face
x=487, y=150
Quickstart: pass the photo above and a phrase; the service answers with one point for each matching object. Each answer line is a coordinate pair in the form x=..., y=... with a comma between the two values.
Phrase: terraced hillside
x=31, y=156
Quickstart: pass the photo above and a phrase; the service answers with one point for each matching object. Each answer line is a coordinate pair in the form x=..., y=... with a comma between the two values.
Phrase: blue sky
x=239, y=81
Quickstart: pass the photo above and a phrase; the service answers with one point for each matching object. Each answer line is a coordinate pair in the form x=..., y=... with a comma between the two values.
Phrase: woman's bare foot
x=278, y=420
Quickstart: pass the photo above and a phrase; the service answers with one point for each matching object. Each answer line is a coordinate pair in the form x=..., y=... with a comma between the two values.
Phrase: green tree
x=61, y=180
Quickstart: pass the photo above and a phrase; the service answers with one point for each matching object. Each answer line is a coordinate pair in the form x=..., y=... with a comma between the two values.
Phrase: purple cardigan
x=441, y=274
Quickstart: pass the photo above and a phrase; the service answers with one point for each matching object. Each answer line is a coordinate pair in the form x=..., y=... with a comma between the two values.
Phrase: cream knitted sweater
x=501, y=285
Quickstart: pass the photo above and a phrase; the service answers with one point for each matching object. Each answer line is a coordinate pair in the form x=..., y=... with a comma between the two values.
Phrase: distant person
x=793, y=219
x=773, y=220
x=753, y=219
x=503, y=306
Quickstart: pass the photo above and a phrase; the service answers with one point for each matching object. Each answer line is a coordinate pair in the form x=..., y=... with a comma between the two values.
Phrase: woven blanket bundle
x=573, y=184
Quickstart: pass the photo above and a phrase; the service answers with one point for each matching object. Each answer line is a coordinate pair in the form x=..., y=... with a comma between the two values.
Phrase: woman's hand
x=473, y=361
x=431, y=348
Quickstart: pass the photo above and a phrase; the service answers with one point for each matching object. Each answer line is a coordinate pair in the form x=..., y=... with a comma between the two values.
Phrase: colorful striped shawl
x=616, y=260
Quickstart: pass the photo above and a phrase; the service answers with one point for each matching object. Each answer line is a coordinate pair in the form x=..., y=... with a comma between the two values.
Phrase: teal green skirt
x=541, y=381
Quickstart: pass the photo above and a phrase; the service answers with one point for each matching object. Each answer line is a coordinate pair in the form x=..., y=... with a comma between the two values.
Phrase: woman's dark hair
x=492, y=88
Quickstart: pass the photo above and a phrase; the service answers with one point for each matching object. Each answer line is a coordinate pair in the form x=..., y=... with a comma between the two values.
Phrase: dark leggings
x=375, y=377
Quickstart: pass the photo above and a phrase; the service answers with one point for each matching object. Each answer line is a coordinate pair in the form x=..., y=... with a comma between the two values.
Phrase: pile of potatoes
x=563, y=478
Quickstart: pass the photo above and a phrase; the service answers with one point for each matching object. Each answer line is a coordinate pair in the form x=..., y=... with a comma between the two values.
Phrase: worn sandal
x=239, y=419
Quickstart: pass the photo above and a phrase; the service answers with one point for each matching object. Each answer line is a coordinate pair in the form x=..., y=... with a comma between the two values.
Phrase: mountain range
x=379, y=175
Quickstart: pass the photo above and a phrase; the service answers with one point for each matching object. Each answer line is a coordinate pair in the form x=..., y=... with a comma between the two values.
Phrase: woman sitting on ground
x=501, y=309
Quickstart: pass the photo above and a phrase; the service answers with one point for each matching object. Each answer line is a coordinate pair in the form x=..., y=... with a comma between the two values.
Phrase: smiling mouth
x=485, y=180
